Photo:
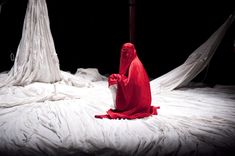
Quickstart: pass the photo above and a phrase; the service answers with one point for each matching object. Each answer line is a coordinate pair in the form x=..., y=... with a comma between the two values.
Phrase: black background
x=89, y=34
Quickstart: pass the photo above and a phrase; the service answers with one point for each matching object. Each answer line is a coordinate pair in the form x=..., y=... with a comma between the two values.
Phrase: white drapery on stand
x=36, y=59
x=194, y=64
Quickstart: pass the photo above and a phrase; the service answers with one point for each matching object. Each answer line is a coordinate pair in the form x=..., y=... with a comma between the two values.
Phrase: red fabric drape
x=133, y=98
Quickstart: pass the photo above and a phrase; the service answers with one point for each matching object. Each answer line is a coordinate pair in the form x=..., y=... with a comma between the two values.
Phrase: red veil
x=133, y=97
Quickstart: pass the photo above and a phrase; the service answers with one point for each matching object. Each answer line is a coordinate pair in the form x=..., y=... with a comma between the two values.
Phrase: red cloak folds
x=133, y=97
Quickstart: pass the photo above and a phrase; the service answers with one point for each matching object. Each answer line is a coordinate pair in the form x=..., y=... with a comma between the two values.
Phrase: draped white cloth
x=36, y=58
x=194, y=64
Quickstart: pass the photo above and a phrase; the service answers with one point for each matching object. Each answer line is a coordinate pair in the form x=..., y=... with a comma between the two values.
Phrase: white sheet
x=195, y=121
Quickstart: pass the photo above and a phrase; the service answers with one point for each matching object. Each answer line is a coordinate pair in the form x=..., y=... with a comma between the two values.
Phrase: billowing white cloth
x=194, y=64
x=36, y=58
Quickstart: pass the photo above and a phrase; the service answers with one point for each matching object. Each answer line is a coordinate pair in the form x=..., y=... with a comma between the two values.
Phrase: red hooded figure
x=133, y=96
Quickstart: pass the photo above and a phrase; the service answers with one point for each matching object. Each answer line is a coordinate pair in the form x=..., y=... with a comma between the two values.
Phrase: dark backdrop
x=89, y=34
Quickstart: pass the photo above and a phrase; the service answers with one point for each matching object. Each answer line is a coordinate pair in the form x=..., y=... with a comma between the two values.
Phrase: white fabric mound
x=36, y=58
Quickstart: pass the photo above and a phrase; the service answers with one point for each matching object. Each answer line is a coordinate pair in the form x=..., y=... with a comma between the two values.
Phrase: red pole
x=132, y=21
x=234, y=46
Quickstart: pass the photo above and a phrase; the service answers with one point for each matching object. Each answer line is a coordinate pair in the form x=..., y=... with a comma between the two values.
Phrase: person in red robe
x=133, y=96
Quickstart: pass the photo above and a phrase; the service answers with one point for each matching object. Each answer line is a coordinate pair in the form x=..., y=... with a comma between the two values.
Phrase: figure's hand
x=114, y=78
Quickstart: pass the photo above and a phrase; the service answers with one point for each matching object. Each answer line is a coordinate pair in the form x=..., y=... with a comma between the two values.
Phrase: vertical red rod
x=132, y=21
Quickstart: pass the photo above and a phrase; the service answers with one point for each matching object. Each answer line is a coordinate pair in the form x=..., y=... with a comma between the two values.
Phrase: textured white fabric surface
x=58, y=119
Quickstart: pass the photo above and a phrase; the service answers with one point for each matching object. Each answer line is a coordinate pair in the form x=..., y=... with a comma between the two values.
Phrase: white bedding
x=58, y=119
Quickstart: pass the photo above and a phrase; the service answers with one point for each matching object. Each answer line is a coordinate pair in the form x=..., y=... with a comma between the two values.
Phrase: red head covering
x=133, y=98
x=128, y=53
